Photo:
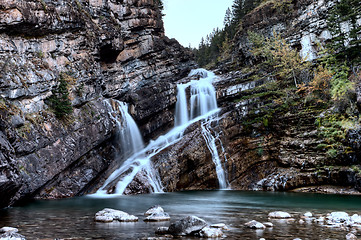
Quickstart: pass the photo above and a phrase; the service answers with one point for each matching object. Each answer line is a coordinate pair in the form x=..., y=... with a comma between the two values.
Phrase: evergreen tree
x=346, y=44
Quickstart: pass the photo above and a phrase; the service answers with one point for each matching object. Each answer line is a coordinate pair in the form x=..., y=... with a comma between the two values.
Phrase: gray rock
x=308, y=214
x=109, y=215
x=219, y=225
x=187, y=226
x=12, y=236
x=208, y=232
x=154, y=209
x=158, y=217
x=8, y=229
x=255, y=225
x=162, y=230
x=268, y=224
x=279, y=214
x=351, y=236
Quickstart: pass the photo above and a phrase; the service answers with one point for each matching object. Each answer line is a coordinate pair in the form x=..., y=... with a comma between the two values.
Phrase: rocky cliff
x=99, y=50
x=273, y=138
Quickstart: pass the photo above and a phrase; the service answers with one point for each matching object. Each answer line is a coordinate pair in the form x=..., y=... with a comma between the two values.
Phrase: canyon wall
x=101, y=49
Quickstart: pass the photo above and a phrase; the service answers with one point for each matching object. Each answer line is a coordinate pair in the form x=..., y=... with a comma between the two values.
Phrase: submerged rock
x=208, y=232
x=255, y=225
x=109, y=215
x=187, y=226
x=279, y=214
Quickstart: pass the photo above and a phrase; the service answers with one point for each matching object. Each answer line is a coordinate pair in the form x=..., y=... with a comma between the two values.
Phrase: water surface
x=74, y=218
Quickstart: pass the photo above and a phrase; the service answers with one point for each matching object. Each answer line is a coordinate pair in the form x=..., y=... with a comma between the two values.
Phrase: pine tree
x=345, y=44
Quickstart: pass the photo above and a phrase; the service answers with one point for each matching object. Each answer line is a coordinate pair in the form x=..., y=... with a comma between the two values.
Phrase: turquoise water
x=74, y=218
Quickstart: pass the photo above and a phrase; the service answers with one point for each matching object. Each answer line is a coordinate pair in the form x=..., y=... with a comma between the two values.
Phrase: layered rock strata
x=102, y=49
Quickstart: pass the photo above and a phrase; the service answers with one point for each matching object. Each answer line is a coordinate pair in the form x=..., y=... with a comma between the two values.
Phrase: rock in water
x=8, y=229
x=279, y=214
x=308, y=214
x=157, y=217
x=255, y=225
x=208, y=232
x=154, y=209
x=187, y=226
x=109, y=215
x=12, y=236
x=162, y=230
x=338, y=217
x=220, y=225
x=351, y=236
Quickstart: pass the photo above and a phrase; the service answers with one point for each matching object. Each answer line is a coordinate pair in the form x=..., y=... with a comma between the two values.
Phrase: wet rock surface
x=187, y=226
x=110, y=215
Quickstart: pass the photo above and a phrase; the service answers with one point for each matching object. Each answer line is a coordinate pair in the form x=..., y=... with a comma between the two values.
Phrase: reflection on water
x=74, y=218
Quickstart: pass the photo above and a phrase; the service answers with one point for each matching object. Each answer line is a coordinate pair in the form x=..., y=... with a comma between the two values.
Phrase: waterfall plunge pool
x=74, y=218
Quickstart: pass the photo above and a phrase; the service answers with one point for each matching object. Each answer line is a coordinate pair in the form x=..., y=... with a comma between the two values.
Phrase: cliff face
x=102, y=49
x=270, y=135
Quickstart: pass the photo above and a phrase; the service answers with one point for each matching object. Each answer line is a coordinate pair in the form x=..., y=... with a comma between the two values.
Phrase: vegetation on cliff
x=323, y=89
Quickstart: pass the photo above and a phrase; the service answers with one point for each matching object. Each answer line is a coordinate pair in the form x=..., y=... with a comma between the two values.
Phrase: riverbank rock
x=110, y=215
x=255, y=225
x=279, y=214
x=208, y=232
x=12, y=236
x=158, y=217
x=187, y=226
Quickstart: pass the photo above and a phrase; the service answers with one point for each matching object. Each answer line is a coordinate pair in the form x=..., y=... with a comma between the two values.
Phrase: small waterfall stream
x=203, y=105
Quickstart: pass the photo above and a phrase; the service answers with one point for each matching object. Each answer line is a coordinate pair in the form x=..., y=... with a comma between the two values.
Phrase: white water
x=130, y=139
x=203, y=106
x=212, y=146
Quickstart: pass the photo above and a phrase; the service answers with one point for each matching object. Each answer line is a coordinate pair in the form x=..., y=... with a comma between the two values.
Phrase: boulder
x=187, y=226
x=255, y=225
x=109, y=215
x=154, y=209
x=158, y=217
x=279, y=214
x=208, y=232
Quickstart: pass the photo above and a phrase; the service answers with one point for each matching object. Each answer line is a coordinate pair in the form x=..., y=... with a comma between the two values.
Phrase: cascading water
x=130, y=139
x=212, y=146
x=203, y=105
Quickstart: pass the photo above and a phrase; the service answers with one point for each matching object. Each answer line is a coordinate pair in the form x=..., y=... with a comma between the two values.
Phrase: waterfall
x=130, y=140
x=203, y=105
x=212, y=146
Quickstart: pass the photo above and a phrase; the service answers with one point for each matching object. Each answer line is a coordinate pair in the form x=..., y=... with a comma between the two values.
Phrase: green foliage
x=277, y=56
x=345, y=44
x=59, y=100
